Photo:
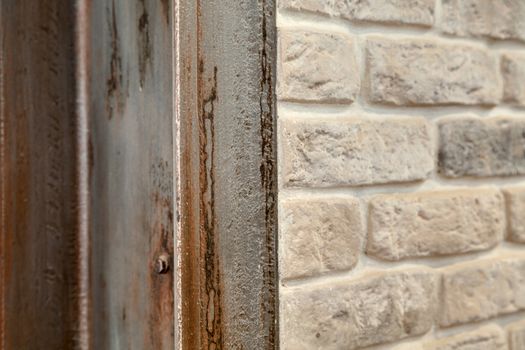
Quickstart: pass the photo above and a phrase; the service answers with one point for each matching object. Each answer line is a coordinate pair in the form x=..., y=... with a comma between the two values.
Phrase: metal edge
x=187, y=206
x=82, y=31
x=2, y=192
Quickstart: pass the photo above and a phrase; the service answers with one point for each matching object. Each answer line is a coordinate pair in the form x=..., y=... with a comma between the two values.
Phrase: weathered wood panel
x=131, y=108
x=39, y=287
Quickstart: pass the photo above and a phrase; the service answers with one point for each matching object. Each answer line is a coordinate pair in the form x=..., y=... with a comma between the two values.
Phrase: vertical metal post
x=228, y=180
x=39, y=246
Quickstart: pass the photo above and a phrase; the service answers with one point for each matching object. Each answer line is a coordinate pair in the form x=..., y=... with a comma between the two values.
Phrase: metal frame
x=40, y=291
x=199, y=77
x=227, y=176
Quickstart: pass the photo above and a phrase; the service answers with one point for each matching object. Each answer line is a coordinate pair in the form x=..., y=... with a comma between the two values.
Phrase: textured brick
x=429, y=72
x=319, y=235
x=418, y=12
x=481, y=290
x=516, y=335
x=513, y=71
x=435, y=223
x=355, y=151
x=490, y=337
x=493, y=18
x=482, y=147
x=317, y=66
x=377, y=309
x=516, y=213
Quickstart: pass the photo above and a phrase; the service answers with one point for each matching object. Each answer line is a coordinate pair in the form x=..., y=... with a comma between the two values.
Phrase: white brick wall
x=402, y=174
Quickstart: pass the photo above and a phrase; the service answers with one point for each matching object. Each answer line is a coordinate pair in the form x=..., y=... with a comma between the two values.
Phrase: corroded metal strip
x=268, y=125
x=188, y=164
x=227, y=235
x=39, y=244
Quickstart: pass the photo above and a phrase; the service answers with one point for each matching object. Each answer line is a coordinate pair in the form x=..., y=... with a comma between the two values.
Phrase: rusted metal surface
x=139, y=148
x=189, y=267
x=131, y=106
x=227, y=175
x=39, y=246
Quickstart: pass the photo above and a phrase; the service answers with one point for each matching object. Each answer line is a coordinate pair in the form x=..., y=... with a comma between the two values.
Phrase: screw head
x=162, y=265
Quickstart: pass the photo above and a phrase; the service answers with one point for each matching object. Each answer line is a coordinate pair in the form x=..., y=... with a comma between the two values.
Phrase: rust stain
x=268, y=179
x=114, y=82
x=144, y=43
x=211, y=326
x=166, y=10
x=190, y=274
x=189, y=215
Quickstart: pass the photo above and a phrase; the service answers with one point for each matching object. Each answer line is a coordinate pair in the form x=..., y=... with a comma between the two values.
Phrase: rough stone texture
x=480, y=290
x=513, y=71
x=355, y=151
x=516, y=335
x=369, y=93
x=373, y=310
x=435, y=223
x=482, y=147
x=493, y=18
x=317, y=66
x=515, y=198
x=319, y=235
x=429, y=72
x=417, y=12
x=490, y=337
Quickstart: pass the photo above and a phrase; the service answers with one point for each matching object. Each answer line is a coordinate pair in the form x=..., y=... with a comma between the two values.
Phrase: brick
x=375, y=309
x=495, y=19
x=355, y=151
x=490, y=337
x=513, y=71
x=472, y=146
x=431, y=72
x=481, y=290
x=515, y=198
x=415, y=12
x=319, y=235
x=516, y=335
x=435, y=223
x=317, y=67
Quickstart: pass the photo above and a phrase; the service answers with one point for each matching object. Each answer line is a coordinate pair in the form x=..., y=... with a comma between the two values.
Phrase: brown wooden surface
x=38, y=247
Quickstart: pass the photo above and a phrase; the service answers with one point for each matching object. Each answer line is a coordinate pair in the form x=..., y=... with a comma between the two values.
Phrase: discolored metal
x=228, y=184
x=132, y=204
x=40, y=286
x=138, y=193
